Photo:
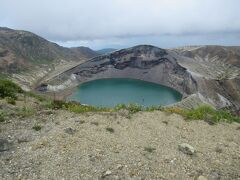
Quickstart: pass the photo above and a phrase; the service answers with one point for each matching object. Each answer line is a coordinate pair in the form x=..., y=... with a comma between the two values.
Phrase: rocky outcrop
x=216, y=70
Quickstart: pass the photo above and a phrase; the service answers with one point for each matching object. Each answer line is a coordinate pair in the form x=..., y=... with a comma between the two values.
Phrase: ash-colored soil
x=145, y=146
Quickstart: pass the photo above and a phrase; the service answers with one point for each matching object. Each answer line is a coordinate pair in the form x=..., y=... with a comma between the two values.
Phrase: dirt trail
x=112, y=146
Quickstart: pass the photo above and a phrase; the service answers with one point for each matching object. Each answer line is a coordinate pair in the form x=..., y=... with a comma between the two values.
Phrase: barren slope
x=78, y=146
x=217, y=71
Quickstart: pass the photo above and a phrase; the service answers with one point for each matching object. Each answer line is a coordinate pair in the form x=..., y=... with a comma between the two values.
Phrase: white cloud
x=78, y=20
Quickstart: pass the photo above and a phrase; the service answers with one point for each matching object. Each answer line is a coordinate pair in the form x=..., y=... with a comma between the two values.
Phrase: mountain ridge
x=27, y=58
x=30, y=48
x=106, y=51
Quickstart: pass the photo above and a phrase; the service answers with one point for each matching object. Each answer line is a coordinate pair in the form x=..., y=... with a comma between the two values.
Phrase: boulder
x=201, y=178
x=69, y=131
x=186, y=149
x=4, y=145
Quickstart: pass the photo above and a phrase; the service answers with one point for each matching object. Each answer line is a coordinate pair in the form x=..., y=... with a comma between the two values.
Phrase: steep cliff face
x=145, y=62
x=217, y=72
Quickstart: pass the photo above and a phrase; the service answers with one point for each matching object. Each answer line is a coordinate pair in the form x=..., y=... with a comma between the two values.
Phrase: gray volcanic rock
x=217, y=72
x=186, y=149
x=4, y=145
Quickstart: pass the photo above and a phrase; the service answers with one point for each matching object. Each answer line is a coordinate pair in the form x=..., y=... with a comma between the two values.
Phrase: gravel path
x=114, y=146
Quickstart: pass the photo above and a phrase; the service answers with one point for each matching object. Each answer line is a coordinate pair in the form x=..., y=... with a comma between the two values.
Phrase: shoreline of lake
x=112, y=91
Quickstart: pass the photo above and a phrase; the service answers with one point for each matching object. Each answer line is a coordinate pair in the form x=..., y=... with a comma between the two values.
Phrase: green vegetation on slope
x=2, y=116
x=10, y=90
x=204, y=112
x=207, y=113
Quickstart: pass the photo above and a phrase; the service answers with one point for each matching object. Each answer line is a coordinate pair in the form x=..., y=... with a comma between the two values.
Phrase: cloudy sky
x=123, y=23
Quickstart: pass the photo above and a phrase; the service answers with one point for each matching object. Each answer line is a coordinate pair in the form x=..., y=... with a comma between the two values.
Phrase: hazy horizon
x=125, y=23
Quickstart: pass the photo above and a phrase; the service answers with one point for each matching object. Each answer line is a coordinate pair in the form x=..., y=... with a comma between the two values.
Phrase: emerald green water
x=110, y=92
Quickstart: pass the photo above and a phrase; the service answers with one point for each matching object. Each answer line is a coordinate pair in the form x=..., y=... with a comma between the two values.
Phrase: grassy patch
x=9, y=89
x=77, y=107
x=37, y=127
x=81, y=109
x=3, y=76
x=120, y=106
x=95, y=123
x=26, y=112
x=154, y=108
x=81, y=122
x=134, y=108
x=201, y=113
x=149, y=149
x=206, y=113
x=57, y=104
x=10, y=100
x=2, y=116
x=109, y=129
x=37, y=96
x=175, y=110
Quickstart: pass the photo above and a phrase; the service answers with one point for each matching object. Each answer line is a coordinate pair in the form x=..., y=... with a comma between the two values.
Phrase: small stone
x=215, y=175
x=186, y=149
x=80, y=121
x=201, y=178
x=165, y=122
x=123, y=112
x=218, y=150
x=119, y=166
x=46, y=112
x=69, y=131
x=107, y=173
x=4, y=145
x=173, y=160
x=26, y=137
x=92, y=158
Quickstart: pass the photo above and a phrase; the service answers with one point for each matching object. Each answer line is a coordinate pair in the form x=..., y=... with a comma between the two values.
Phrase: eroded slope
x=27, y=57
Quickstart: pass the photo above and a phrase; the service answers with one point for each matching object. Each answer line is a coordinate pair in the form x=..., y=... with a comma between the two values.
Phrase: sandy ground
x=145, y=146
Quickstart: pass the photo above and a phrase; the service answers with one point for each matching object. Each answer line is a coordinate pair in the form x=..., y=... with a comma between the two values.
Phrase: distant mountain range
x=20, y=50
x=106, y=51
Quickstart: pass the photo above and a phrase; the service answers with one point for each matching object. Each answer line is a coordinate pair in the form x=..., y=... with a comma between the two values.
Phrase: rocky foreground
x=57, y=144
